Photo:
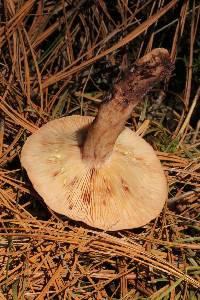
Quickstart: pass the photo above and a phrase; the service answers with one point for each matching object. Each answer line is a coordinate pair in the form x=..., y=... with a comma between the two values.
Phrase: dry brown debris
x=58, y=58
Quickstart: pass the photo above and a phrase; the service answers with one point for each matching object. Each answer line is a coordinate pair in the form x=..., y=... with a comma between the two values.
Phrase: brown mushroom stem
x=113, y=114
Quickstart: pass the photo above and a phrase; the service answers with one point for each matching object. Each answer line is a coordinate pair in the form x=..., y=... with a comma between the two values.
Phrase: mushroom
x=96, y=170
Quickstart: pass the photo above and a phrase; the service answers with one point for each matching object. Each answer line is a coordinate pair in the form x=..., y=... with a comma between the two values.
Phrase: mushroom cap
x=127, y=191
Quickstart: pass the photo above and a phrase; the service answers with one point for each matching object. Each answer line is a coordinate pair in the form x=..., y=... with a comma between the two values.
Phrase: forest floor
x=59, y=58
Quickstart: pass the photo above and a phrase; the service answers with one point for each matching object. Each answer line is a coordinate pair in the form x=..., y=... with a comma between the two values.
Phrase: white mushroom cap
x=127, y=191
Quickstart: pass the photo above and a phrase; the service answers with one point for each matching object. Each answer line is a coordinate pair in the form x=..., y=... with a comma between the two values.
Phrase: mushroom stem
x=113, y=114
